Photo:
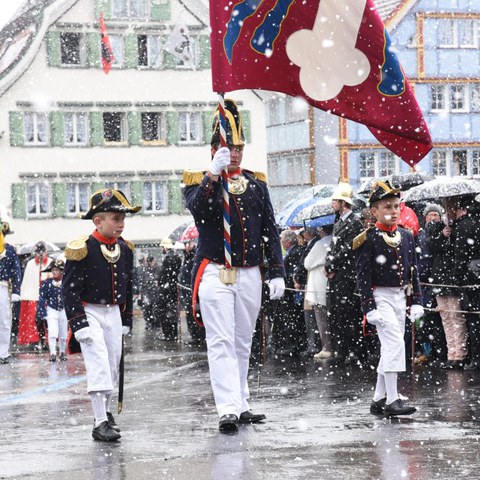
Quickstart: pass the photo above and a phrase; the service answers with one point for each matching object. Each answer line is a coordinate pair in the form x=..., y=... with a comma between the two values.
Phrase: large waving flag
x=334, y=53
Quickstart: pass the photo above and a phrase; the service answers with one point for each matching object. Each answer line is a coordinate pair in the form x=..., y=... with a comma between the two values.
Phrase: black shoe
x=63, y=357
x=4, y=360
x=105, y=433
x=228, y=424
x=249, y=417
x=472, y=366
x=398, y=408
x=112, y=423
x=377, y=408
x=447, y=365
x=53, y=358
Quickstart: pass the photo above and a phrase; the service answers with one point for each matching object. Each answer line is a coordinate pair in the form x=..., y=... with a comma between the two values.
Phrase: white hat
x=344, y=192
x=166, y=242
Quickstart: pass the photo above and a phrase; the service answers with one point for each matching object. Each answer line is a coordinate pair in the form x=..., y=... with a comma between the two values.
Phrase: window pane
x=194, y=127
x=137, y=8
x=154, y=51
x=476, y=97
x=119, y=8
x=31, y=199
x=466, y=33
x=41, y=127
x=439, y=163
x=386, y=164
x=68, y=127
x=43, y=198
x=447, y=32
x=367, y=165
x=71, y=198
x=150, y=126
x=182, y=126
x=83, y=196
x=147, y=197
x=476, y=162
x=70, y=48
x=457, y=97
x=116, y=41
x=81, y=128
x=29, y=132
x=438, y=97
x=112, y=127
x=142, y=50
x=159, y=196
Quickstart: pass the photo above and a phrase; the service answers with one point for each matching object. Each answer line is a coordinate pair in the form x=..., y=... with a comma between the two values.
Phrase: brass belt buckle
x=228, y=276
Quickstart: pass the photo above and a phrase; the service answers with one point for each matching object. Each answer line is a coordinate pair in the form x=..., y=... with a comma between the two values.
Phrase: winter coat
x=317, y=279
x=442, y=250
x=467, y=249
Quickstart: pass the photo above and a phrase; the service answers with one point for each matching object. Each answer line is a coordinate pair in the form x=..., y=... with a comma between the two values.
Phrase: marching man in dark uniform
x=50, y=310
x=230, y=299
x=386, y=276
x=10, y=279
x=98, y=298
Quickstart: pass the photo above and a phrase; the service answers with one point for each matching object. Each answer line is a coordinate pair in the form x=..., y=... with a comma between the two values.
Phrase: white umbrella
x=28, y=248
x=443, y=188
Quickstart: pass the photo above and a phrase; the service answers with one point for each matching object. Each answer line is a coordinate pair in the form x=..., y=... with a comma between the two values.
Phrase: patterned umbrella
x=189, y=234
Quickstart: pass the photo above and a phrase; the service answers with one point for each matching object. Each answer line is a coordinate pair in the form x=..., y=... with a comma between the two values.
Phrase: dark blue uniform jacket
x=10, y=269
x=50, y=296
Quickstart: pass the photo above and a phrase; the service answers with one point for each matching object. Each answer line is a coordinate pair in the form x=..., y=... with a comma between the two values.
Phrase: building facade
x=69, y=129
x=437, y=42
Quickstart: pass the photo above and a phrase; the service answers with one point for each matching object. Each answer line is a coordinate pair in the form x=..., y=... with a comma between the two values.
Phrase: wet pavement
x=318, y=422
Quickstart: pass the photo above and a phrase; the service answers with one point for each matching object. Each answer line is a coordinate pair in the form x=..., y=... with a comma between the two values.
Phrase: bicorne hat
x=381, y=190
x=233, y=121
x=109, y=200
x=57, y=263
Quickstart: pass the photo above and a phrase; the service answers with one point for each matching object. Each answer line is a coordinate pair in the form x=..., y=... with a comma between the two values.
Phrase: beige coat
x=317, y=280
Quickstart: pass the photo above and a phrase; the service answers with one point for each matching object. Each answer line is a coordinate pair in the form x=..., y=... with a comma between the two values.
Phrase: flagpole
x=224, y=183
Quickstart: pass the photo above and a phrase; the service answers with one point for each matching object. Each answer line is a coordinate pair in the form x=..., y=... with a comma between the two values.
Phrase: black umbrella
x=402, y=181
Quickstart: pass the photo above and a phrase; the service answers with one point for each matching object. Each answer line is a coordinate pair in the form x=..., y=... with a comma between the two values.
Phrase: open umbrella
x=442, y=188
x=320, y=208
x=28, y=248
x=402, y=181
x=189, y=234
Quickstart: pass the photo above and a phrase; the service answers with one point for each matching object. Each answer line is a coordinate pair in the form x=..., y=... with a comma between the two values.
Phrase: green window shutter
x=96, y=129
x=207, y=119
x=19, y=201
x=16, y=129
x=169, y=61
x=246, y=126
x=160, y=11
x=172, y=128
x=134, y=128
x=131, y=51
x=136, y=190
x=174, y=195
x=93, y=49
x=56, y=128
x=96, y=186
x=53, y=49
x=59, y=199
x=204, y=52
x=104, y=7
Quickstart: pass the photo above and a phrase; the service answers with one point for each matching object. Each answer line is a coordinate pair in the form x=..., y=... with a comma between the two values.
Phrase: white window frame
x=75, y=142
x=475, y=97
x=76, y=192
x=194, y=49
x=376, y=157
x=186, y=117
x=441, y=153
x=464, y=98
x=117, y=42
x=123, y=129
x=128, y=14
x=474, y=23
x=475, y=153
x=435, y=89
x=161, y=129
x=453, y=29
x=153, y=40
x=37, y=191
x=35, y=117
x=151, y=186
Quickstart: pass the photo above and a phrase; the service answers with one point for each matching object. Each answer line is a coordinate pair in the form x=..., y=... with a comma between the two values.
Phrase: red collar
x=102, y=239
x=385, y=228
x=235, y=173
x=44, y=261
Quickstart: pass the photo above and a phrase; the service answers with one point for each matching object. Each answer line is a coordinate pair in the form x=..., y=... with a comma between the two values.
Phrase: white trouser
x=102, y=356
x=57, y=325
x=5, y=321
x=391, y=303
x=229, y=313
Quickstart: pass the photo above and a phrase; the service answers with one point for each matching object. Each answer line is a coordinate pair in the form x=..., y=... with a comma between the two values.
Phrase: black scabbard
x=121, y=376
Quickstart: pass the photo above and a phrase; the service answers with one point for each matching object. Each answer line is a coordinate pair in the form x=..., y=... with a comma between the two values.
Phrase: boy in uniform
x=50, y=310
x=386, y=278
x=98, y=298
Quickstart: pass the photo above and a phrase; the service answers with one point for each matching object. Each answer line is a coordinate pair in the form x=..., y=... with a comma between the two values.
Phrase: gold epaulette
x=257, y=175
x=191, y=177
x=359, y=240
x=77, y=249
x=130, y=244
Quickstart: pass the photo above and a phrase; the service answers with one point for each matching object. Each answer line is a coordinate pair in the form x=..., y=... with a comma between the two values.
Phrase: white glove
x=416, y=312
x=84, y=335
x=220, y=160
x=125, y=330
x=375, y=318
x=15, y=297
x=277, y=288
